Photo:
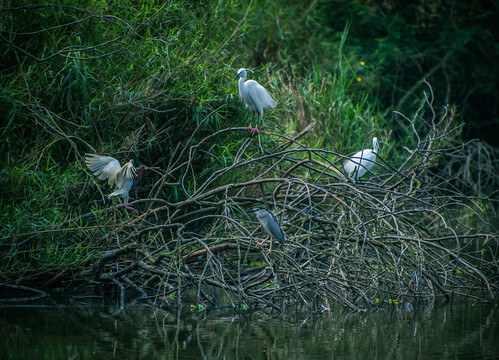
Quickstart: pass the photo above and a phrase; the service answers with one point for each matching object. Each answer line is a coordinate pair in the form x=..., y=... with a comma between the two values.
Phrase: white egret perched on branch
x=254, y=95
x=362, y=162
x=121, y=178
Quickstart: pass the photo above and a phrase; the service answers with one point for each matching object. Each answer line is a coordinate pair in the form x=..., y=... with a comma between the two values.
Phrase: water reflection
x=464, y=332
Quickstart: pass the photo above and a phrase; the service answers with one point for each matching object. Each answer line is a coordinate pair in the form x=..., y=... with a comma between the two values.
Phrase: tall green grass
x=137, y=80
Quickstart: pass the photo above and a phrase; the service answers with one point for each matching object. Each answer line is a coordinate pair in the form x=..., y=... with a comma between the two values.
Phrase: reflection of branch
x=38, y=294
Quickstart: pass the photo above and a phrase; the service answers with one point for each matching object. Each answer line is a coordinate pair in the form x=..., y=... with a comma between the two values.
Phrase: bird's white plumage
x=254, y=95
x=362, y=161
x=110, y=169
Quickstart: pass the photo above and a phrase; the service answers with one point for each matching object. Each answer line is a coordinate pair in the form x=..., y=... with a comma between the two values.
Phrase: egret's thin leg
x=128, y=207
x=131, y=208
x=250, y=127
x=252, y=130
x=255, y=130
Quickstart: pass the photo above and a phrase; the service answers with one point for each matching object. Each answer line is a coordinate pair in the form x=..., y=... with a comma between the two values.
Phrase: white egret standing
x=361, y=162
x=254, y=95
x=121, y=178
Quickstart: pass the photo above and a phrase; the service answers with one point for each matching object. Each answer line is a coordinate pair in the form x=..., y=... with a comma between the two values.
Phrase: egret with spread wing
x=121, y=178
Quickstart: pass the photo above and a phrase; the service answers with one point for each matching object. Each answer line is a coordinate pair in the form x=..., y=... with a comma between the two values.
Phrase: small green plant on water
x=199, y=308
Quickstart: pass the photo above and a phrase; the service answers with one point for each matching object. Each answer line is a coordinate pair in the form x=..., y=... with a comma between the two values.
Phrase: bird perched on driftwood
x=255, y=96
x=121, y=178
x=362, y=162
x=269, y=224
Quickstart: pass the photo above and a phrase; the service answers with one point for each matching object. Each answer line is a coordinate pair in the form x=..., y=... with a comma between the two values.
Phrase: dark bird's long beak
x=252, y=210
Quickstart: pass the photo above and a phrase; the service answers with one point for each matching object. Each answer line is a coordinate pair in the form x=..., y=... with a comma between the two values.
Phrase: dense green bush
x=152, y=80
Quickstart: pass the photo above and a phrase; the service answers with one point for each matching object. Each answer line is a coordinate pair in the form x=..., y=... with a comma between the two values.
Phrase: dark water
x=457, y=332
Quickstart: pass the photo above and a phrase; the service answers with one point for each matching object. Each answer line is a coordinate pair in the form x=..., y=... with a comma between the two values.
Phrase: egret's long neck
x=242, y=79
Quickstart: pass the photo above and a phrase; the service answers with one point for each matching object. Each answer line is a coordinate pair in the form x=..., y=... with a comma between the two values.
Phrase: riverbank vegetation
x=153, y=82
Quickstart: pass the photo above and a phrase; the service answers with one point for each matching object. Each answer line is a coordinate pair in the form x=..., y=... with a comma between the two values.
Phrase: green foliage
x=149, y=80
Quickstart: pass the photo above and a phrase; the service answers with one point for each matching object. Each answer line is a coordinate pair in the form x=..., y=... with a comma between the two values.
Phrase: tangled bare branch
x=405, y=235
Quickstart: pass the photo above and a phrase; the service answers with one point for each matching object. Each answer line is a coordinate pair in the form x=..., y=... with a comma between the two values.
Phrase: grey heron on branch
x=269, y=223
